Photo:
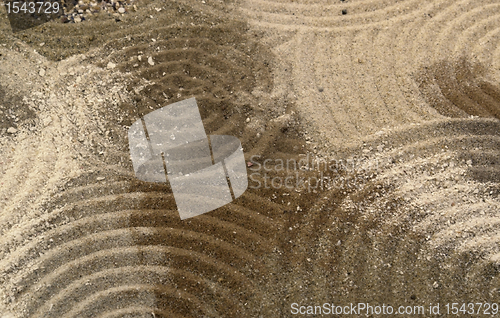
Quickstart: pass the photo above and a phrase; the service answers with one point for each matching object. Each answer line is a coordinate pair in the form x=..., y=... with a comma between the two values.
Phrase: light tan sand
x=411, y=89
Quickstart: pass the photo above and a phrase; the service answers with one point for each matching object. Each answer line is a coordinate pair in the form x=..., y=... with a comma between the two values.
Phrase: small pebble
x=150, y=61
x=321, y=89
x=247, y=120
x=42, y=72
x=100, y=178
x=12, y=130
x=121, y=10
x=111, y=65
x=344, y=12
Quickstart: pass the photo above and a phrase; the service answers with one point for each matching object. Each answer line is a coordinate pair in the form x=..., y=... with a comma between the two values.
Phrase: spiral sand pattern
x=410, y=88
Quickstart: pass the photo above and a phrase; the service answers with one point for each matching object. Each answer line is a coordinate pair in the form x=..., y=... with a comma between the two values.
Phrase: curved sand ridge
x=97, y=242
x=422, y=225
x=370, y=70
x=378, y=81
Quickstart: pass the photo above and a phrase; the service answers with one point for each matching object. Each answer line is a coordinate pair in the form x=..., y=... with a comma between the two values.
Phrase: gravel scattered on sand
x=79, y=11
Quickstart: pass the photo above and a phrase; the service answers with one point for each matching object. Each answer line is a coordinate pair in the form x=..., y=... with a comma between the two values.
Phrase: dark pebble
x=344, y=12
x=320, y=89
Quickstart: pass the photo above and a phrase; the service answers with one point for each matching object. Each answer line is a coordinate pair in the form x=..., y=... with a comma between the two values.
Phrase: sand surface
x=400, y=99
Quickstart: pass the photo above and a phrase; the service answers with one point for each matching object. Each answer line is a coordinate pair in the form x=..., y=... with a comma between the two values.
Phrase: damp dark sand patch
x=58, y=40
x=460, y=89
x=14, y=112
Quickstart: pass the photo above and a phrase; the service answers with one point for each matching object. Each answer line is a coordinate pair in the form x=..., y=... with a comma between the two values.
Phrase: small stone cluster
x=78, y=11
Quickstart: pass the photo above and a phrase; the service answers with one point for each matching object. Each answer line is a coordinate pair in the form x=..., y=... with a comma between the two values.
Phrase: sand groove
x=422, y=209
x=366, y=75
x=105, y=241
x=370, y=71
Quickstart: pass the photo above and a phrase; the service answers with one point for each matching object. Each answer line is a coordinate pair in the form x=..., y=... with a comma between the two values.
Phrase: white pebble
x=111, y=65
x=248, y=120
x=121, y=10
x=12, y=130
x=42, y=72
x=150, y=61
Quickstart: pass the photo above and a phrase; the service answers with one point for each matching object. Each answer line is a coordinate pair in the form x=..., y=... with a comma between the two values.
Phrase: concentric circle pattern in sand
x=397, y=69
x=370, y=69
x=421, y=225
x=101, y=243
